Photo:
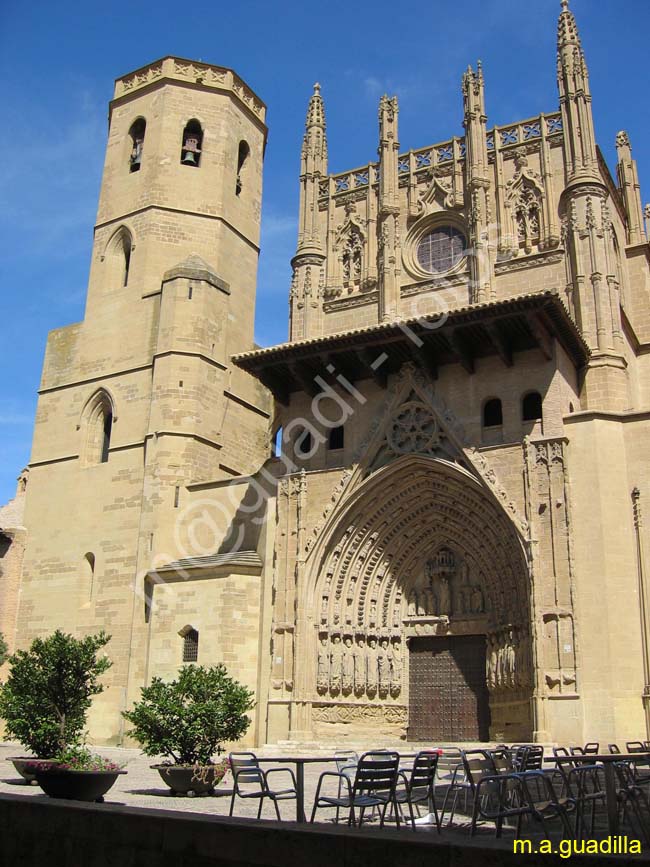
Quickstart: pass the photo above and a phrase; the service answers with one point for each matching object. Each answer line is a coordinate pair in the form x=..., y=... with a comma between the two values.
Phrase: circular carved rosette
x=414, y=429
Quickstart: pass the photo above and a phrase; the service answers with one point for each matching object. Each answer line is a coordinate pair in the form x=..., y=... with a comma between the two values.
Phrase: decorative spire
x=575, y=101
x=314, y=150
x=567, y=29
x=316, y=110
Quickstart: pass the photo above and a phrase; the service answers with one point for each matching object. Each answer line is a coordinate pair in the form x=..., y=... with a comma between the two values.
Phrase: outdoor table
x=300, y=762
x=607, y=760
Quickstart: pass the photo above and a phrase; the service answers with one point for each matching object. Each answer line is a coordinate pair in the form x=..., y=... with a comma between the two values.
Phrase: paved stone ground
x=143, y=787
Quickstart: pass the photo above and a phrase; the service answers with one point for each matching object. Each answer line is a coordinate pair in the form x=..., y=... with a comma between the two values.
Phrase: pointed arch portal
x=419, y=601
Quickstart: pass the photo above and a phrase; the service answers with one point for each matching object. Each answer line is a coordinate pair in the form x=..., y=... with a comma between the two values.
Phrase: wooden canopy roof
x=461, y=336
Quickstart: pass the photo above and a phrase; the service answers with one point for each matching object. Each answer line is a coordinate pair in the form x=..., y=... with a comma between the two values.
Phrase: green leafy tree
x=49, y=690
x=3, y=649
x=189, y=719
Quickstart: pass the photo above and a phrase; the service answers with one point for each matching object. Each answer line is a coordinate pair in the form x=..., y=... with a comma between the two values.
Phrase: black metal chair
x=586, y=786
x=631, y=795
x=545, y=804
x=374, y=785
x=250, y=782
x=592, y=749
x=500, y=798
x=476, y=764
x=419, y=786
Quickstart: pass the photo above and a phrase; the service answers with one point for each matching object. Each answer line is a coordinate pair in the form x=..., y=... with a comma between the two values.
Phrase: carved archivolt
x=419, y=542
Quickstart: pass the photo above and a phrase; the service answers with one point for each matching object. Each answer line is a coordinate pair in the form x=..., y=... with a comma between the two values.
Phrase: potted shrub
x=77, y=775
x=186, y=721
x=47, y=696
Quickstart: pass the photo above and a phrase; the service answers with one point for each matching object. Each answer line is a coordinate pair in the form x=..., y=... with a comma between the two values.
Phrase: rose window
x=441, y=249
x=414, y=429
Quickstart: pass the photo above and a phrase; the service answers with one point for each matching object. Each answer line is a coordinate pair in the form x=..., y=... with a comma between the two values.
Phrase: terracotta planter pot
x=21, y=764
x=75, y=785
x=191, y=779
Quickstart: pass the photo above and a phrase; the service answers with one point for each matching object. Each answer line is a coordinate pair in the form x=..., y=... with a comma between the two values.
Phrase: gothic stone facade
x=450, y=544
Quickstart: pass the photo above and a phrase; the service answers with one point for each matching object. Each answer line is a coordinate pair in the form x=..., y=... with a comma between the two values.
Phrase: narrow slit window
x=107, y=429
x=90, y=572
x=191, y=646
x=242, y=159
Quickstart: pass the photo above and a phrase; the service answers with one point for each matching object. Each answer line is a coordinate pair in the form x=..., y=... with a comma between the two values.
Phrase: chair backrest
x=245, y=767
x=503, y=760
x=423, y=772
x=376, y=772
x=591, y=749
x=613, y=748
x=346, y=759
x=561, y=751
x=577, y=751
x=586, y=780
x=634, y=747
x=534, y=758
x=477, y=764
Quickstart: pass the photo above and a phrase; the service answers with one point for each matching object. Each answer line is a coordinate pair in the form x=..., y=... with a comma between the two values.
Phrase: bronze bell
x=136, y=154
x=190, y=149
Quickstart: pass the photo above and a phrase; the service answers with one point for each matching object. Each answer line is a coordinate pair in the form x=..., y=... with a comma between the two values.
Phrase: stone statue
x=383, y=667
x=347, y=666
x=412, y=604
x=492, y=661
x=429, y=602
x=444, y=607
x=478, y=605
x=396, y=669
x=323, y=673
x=371, y=667
x=323, y=609
x=360, y=665
x=335, y=664
x=511, y=660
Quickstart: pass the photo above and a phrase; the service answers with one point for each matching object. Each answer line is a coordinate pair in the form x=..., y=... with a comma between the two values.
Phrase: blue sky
x=57, y=65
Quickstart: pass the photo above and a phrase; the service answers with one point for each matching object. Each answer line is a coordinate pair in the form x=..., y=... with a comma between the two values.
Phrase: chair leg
x=232, y=804
x=277, y=809
x=412, y=815
x=259, y=811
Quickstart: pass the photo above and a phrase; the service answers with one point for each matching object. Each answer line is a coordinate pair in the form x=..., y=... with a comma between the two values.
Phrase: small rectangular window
x=191, y=646
x=177, y=495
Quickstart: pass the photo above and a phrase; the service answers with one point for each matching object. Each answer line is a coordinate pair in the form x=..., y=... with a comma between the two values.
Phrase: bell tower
x=140, y=400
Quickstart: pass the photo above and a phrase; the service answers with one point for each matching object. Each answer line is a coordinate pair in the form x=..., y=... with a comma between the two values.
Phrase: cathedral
x=420, y=517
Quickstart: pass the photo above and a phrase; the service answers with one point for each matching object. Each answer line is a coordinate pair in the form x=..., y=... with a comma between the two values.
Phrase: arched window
x=190, y=638
x=192, y=143
x=337, y=438
x=304, y=444
x=531, y=406
x=98, y=417
x=137, y=131
x=277, y=443
x=242, y=159
x=118, y=258
x=89, y=562
x=492, y=413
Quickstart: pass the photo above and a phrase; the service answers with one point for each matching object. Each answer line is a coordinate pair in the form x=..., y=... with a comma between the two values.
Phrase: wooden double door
x=448, y=696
